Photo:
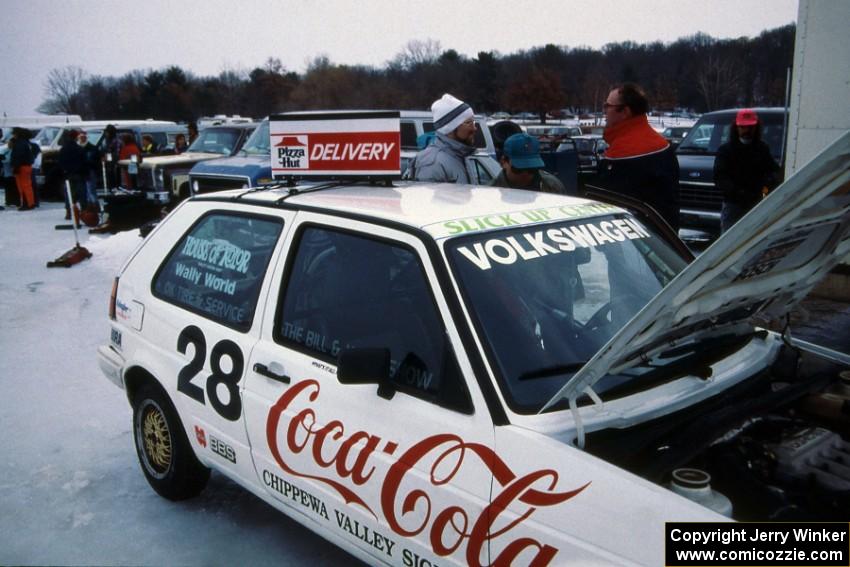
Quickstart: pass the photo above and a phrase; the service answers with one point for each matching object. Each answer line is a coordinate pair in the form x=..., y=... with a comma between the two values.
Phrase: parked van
x=50, y=139
x=33, y=122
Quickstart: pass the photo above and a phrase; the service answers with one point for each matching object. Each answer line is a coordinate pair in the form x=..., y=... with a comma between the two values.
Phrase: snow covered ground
x=71, y=491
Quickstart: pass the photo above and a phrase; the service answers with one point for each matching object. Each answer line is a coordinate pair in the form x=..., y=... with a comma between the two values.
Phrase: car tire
x=165, y=455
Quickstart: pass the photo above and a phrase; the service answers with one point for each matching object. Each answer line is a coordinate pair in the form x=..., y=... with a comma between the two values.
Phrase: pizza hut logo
x=201, y=436
x=292, y=152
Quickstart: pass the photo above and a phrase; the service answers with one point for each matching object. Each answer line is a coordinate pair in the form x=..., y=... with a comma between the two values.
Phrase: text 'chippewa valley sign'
x=335, y=143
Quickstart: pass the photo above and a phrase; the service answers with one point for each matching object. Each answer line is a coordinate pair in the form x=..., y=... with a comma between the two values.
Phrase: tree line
x=697, y=73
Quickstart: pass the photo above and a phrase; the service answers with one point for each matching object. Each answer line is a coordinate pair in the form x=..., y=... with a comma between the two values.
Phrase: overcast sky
x=111, y=38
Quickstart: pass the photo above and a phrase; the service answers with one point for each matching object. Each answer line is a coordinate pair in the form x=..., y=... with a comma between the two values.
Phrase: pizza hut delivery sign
x=336, y=143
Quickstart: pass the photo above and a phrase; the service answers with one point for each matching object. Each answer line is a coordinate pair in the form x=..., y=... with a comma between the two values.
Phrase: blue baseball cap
x=523, y=151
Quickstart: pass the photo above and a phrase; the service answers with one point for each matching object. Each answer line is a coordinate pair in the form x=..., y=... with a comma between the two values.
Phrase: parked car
x=675, y=134
x=249, y=167
x=165, y=179
x=508, y=377
x=222, y=119
x=589, y=148
x=699, y=199
x=550, y=136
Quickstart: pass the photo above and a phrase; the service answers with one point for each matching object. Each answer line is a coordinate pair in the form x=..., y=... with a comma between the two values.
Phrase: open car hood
x=757, y=271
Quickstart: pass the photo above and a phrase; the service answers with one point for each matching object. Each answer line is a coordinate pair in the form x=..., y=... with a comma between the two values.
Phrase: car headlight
x=264, y=180
x=159, y=179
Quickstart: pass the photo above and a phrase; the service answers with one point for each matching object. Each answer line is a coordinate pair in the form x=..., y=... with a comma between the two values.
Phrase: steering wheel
x=598, y=319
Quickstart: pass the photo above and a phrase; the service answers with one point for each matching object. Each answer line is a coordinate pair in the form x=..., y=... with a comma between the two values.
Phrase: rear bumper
x=111, y=364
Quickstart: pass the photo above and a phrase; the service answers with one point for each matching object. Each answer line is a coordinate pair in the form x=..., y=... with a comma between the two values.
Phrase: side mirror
x=366, y=366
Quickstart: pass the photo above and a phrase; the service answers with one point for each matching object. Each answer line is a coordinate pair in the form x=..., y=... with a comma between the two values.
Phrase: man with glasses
x=444, y=160
x=639, y=162
x=522, y=167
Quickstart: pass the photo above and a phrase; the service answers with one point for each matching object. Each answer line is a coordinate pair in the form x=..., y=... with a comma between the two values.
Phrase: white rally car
x=435, y=374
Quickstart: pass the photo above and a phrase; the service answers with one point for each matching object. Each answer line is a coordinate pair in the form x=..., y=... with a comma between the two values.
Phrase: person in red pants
x=22, y=159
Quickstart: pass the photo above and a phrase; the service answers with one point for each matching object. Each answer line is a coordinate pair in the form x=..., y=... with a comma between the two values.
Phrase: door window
x=218, y=266
x=480, y=174
x=347, y=291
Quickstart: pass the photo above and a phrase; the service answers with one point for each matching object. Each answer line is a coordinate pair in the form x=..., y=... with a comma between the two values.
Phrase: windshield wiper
x=549, y=371
x=693, y=359
x=692, y=149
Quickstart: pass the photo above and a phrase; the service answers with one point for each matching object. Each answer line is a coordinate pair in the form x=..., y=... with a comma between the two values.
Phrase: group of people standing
x=80, y=162
x=638, y=163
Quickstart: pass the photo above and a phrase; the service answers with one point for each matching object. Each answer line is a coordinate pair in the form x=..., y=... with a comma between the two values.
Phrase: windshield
x=94, y=135
x=713, y=130
x=216, y=141
x=545, y=299
x=259, y=142
x=47, y=135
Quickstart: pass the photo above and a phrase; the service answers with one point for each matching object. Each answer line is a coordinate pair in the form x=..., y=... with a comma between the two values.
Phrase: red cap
x=747, y=117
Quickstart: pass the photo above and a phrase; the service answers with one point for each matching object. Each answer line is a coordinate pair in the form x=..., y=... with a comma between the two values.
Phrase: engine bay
x=775, y=447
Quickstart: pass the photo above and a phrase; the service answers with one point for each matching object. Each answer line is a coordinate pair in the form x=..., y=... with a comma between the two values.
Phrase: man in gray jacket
x=444, y=160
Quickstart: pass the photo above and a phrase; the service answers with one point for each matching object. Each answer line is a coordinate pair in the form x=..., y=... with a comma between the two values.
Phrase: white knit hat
x=449, y=113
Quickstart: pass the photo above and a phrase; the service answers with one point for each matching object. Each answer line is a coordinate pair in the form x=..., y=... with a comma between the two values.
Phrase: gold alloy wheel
x=156, y=438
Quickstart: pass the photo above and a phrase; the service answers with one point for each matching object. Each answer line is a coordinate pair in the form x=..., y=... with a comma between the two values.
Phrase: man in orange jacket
x=639, y=162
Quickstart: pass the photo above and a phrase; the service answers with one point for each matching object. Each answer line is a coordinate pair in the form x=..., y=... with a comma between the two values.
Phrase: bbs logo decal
x=222, y=449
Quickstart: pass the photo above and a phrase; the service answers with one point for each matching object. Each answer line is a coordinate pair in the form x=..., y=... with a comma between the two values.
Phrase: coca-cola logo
x=408, y=508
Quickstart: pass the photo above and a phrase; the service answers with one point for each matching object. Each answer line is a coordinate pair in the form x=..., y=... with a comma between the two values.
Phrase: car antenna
x=321, y=187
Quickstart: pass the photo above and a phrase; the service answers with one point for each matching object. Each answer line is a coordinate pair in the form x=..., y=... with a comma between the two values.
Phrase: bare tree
x=718, y=81
x=417, y=52
x=62, y=91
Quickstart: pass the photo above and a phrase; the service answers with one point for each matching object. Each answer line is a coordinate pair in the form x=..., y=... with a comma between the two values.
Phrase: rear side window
x=217, y=268
x=160, y=139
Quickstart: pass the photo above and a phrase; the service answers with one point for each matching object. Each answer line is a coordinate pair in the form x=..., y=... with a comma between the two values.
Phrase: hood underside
x=756, y=272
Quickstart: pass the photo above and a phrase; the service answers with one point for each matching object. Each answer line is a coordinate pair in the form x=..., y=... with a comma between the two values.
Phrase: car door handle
x=264, y=370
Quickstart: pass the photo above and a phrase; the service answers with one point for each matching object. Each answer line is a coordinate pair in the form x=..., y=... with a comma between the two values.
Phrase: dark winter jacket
x=92, y=157
x=21, y=153
x=72, y=159
x=640, y=164
x=742, y=171
x=542, y=181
